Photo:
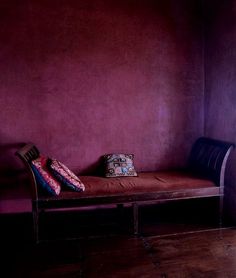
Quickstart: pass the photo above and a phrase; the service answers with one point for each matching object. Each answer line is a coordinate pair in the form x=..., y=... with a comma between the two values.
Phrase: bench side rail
x=208, y=159
x=28, y=153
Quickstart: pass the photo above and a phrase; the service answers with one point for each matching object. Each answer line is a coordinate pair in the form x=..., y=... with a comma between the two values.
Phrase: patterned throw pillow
x=44, y=177
x=65, y=176
x=117, y=165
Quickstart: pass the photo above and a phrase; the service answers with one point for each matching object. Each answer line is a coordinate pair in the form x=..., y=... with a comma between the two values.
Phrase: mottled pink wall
x=84, y=78
x=220, y=84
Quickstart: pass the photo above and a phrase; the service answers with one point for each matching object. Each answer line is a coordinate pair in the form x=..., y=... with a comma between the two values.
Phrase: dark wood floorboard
x=204, y=254
x=170, y=245
x=200, y=254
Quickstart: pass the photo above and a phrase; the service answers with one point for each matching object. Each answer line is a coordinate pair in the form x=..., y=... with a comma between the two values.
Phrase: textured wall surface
x=85, y=78
x=220, y=92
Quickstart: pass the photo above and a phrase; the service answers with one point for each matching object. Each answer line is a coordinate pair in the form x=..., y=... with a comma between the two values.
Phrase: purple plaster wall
x=220, y=84
x=85, y=78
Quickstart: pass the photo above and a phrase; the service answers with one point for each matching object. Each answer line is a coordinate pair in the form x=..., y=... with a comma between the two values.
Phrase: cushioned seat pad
x=145, y=183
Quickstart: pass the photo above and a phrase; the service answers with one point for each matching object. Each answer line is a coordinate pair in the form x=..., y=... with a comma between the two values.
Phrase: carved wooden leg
x=120, y=214
x=36, y=222
x=221, y=209
x=135, y=216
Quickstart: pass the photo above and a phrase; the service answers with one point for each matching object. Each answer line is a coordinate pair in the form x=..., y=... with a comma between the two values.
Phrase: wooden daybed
x=203, y=177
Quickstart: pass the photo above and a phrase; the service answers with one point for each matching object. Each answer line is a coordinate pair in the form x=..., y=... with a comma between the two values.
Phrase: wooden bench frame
x=207, y=159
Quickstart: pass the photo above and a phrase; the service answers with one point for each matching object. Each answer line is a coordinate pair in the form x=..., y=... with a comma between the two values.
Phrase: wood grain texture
x=201, y=254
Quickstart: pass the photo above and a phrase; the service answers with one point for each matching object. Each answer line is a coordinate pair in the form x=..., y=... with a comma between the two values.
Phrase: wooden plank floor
x=186, y=254
x=200, y=254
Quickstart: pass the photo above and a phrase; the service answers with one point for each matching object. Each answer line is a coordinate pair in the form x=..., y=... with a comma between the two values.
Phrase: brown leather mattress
x=145, y=183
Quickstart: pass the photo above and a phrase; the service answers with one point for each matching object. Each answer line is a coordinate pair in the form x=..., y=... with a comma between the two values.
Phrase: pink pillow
x=43, y=177
x=65, y=175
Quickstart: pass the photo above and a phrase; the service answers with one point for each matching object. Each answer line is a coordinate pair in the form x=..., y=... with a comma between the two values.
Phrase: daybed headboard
x=208, y=158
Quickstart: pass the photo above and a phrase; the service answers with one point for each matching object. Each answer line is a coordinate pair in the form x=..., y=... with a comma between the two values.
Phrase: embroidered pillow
x=43, y=177
x=65, y=176
x=117, y=165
